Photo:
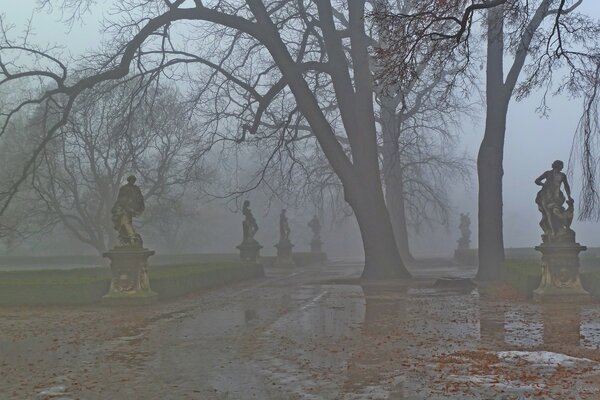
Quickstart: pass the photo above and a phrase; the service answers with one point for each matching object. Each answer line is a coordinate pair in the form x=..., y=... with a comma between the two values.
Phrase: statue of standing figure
x=249, y=248
x=465, y=230
x=315, y=244
x=284, y=228
x=284, y=246
x=556, y=220
x=249, y=225
x=129, y=204
x=315, y=225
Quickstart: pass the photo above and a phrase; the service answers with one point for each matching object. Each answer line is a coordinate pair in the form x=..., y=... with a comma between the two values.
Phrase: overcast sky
x=532, y=143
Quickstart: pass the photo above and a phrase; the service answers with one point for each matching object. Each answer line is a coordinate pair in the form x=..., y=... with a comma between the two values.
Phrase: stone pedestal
x=316, y=246
x=284, y=254
x=560, y=274
x=130, y=284
x=249, y=251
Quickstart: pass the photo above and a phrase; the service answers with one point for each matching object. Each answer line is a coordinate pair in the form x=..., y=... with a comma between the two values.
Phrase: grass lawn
x=88, y=285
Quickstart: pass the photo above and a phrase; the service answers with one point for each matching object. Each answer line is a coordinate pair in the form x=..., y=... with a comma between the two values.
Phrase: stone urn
x=130, y=284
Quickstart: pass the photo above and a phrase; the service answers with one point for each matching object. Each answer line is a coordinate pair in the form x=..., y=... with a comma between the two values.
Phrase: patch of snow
x=493, y=381
x=544, y=358
x=53, y=391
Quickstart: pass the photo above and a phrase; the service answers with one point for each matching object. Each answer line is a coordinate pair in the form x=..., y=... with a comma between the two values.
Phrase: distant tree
x=109, y=134
x=24, y=218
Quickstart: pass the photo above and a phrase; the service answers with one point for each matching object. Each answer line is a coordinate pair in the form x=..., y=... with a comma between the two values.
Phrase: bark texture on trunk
x=393, y=176
x=491, y=152
x=394, y=198
x=382, y=258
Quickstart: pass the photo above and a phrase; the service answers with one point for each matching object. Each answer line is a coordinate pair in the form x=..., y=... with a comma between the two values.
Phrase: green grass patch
x=525, y=274
x=88, y=285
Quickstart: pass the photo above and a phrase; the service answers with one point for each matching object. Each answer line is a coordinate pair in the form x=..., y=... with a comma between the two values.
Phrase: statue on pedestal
x=249, y=225
x=284, y=228
x=315, y=244
x=284, y=247
x=130, y=283
x=129, y=204
x=556, y=219
x=560, y=253
x=249, y=248
x=465, y=230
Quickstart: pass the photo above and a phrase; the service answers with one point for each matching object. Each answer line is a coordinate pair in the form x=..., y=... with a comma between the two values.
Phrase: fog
x=532, y=143
x=147, y=179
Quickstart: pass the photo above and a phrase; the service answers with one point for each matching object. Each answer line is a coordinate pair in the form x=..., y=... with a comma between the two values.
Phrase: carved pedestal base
x=284, y=254
x=130, y=284
x=316, y=246
x=560, y=274
x=249, y=251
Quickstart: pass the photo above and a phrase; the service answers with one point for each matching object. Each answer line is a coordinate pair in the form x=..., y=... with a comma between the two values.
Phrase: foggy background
x=532, y=143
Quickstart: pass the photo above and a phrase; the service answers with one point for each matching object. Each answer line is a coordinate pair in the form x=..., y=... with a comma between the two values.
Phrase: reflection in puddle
x=522, y=327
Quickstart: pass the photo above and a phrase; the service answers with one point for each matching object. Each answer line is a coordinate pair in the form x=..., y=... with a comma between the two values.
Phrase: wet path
x=306, y=334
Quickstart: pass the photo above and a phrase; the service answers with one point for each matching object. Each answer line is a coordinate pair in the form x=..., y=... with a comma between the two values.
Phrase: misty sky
x=532, y=143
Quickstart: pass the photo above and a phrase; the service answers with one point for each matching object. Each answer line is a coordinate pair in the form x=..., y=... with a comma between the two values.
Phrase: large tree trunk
x=393, y=177
x=382, y=258
x=360, y=176
x=491, y=152
x=394, y=198
x=489, y=172
x=490, y=157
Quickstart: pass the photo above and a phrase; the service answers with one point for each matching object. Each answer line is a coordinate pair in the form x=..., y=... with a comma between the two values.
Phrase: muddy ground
x=314, y=333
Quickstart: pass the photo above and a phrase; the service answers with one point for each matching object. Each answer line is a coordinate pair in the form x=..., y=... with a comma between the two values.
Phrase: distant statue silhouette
x=284, y=227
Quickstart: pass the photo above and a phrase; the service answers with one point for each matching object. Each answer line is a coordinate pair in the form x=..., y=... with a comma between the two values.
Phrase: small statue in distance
x=284, y=228
x=129, y=204
x=249, y=225
x=465, y=230
x=315, y=225
x=556, y=220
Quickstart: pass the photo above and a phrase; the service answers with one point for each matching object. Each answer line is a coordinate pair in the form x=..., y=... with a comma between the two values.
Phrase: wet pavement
x=314, y=333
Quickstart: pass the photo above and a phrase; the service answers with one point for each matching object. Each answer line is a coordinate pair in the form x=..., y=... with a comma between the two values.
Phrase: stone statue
x=465, y=230
x=129, y=204
x=284, y=228
x=561, y=281
x=316, y=245
x=315, y=225
x=249, y=248
x=556, y=220
x=249, y=226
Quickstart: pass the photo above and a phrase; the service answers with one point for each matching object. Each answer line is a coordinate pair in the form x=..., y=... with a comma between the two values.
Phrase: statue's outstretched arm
x=538, y=181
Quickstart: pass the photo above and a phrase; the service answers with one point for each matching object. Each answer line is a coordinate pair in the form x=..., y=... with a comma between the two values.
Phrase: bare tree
x=553, y=37
x=149, y=44
x=109, y=134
